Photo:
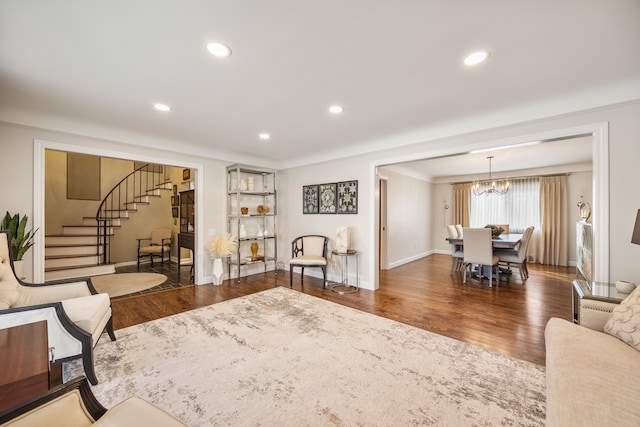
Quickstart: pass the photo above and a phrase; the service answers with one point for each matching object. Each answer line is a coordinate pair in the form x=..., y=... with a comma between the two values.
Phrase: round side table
x=344, y=287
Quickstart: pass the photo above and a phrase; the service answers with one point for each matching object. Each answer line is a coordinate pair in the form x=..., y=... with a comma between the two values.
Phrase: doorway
x=40, y=146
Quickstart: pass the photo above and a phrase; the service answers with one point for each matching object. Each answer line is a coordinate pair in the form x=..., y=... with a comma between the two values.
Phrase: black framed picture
x=310, y=199
x=328, y=198
x=348, y=197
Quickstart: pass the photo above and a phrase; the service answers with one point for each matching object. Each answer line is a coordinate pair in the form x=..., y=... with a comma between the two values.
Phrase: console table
x=24, y=362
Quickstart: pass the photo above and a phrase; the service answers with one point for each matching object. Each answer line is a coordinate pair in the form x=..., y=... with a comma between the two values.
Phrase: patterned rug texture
x=283, y=358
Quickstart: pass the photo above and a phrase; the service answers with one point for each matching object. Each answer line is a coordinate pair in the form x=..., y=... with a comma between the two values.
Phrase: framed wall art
x=310, y=199
x=348, y=197
x=328, y=198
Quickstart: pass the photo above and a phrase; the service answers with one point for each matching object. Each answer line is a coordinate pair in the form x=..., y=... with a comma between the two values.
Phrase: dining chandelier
x=490, y=186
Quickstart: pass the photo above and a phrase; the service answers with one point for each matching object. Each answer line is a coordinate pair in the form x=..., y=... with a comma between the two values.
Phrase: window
x=519, y=208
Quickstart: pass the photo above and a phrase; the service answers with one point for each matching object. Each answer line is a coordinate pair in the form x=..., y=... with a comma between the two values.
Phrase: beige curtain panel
x=553, y=247
x=461, y=204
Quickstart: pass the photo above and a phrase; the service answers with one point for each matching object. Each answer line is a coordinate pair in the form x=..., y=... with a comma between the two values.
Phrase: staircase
x=83, y=249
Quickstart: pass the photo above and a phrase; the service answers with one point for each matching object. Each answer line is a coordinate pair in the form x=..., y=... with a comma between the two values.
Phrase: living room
x=606, y=106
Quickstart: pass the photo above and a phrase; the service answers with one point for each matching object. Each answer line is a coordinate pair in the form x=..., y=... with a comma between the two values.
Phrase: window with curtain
x=519, y=208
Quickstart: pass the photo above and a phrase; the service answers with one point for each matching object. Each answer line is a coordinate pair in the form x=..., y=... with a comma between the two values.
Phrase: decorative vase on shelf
x=254, y=251
x=250, y=183
x=243, y=231
x=218, y=271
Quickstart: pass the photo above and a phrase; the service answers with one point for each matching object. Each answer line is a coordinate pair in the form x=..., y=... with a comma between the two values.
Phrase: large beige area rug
x=120, y=284
x=283, y=358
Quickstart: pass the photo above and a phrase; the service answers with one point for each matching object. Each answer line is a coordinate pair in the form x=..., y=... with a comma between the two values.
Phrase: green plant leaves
x=21, y=241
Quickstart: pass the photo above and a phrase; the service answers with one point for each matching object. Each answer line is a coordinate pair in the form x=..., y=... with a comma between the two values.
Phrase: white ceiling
x=557, y=156
x=396, y=67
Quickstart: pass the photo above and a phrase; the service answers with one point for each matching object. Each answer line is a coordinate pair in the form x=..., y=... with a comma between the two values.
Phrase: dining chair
x=460, y=230
x=518, y=256
x=457, y=251
x=478, y=250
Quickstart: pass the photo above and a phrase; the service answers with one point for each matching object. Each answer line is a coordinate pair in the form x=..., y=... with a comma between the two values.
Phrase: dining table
x=503, y=241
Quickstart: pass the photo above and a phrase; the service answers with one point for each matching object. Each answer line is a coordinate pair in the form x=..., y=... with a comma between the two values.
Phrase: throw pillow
x=624, y=322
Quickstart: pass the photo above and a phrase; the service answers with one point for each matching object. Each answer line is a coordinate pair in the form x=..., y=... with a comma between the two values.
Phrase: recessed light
x=264, y=136
x=476, y=57
x=218, y=49
x=336, y=109
x=161, y=107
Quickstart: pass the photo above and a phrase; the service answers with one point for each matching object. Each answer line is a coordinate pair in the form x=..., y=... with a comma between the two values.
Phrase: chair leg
x=324, y=277
x=290, y=276
x=112, y=334
x=454, y=262
x=301, y=274
x=466, y=266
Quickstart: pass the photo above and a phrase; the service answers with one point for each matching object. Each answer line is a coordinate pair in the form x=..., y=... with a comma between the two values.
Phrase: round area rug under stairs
x=120, y=284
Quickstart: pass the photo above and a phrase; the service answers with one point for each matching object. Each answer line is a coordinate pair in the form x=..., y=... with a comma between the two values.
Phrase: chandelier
x=490, y=186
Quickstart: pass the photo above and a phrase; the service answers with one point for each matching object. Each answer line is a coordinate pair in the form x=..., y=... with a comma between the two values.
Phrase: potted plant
x=220, y=246
x=21, y=240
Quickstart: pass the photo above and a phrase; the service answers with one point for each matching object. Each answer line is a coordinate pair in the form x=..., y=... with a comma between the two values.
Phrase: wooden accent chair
x=75, y=312
x=309, y=251
x=478, y=250
x=159, y=244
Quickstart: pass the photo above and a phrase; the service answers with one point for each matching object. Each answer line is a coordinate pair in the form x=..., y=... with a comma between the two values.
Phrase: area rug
x=283, y=358
x=120, y=284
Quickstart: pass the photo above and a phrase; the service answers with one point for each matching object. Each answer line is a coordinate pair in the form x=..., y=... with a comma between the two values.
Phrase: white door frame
x=600, y=197
x=40, y=146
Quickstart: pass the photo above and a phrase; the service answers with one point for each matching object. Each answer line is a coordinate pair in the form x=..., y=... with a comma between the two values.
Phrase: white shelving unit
x=248, y=189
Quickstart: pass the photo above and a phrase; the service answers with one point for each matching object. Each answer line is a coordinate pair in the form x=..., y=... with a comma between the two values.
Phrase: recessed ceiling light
x=336, y=109
x=161, y=107
x=476, y=57
x=264, y=136
x=218, y=49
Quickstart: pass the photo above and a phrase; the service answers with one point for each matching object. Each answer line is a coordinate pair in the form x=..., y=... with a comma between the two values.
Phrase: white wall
x=409, y=229
x=623, y=202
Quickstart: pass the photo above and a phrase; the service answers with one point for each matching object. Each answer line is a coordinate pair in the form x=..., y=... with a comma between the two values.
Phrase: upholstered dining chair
x=309, y=251
x=478, y=250
x=457, y=251
x=158, y=244
x=517, y=257
x=75, y=312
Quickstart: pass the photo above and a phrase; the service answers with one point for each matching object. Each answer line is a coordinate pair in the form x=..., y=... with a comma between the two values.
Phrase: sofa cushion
x=8, y=282
x=592, y=378
x=88, y=312
x=137, y=412
x=624, y=322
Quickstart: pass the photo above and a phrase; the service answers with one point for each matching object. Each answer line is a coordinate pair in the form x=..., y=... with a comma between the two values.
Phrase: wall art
x=348, y=197
x=328, y=198
x=310, y=199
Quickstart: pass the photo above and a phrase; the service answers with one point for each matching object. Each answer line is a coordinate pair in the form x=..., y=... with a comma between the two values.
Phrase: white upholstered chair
x=158, y=244
x=75, y=312
x=460, y=230
x=478, y=250
x=309, y=251
x=457, y=251
x=517, y=257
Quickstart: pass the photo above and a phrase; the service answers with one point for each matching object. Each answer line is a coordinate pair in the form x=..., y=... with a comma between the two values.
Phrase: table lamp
x=635, y=237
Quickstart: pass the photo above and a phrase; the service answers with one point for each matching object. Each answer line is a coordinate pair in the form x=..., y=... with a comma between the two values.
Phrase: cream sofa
x=593, y=378
x=73, y=405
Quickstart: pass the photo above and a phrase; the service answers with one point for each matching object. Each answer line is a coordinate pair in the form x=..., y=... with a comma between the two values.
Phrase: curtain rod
x=513, y=177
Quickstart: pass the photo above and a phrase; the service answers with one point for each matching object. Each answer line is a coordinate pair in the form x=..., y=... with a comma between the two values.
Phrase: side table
x=598, y=291
x=24, y=358
x=344, y=287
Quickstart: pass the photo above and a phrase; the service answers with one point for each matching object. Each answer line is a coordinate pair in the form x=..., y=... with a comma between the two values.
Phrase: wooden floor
x=508, y=318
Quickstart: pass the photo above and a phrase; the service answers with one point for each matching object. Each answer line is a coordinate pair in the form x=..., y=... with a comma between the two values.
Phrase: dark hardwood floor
x=508, y=318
